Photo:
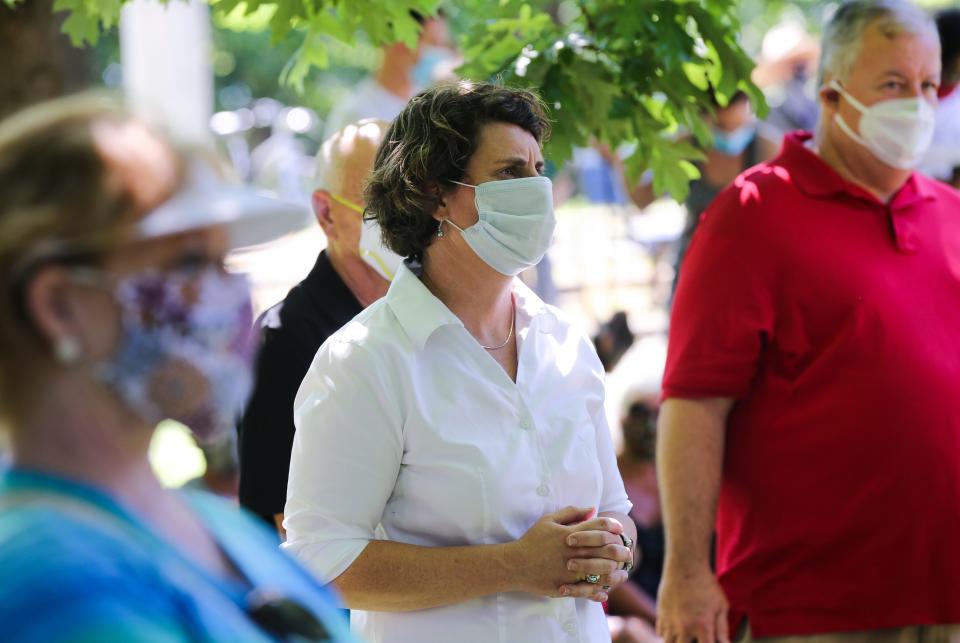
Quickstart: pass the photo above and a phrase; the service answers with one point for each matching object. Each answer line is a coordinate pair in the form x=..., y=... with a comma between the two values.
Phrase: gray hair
x=843, y=34
x=330, y=167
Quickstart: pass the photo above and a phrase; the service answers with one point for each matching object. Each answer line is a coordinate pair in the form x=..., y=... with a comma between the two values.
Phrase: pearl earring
x=440, y=230
x=67, y=350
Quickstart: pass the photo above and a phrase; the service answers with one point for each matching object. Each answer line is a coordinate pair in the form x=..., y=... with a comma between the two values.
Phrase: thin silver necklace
x=513, y=319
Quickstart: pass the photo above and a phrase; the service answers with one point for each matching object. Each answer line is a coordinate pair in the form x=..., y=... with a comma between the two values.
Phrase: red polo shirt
x=834, y=320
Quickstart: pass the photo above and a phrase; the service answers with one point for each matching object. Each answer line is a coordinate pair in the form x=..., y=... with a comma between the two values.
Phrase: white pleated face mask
x=897, y=131
x=376, y=254
x=372, y=249
x=515, y=225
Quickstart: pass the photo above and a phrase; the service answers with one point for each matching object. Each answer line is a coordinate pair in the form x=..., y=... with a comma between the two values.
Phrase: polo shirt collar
x=814, y=176
x=421, y=314
x=328, y=292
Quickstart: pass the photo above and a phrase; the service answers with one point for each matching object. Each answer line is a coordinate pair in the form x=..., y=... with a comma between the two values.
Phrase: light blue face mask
x=515, y=225
x=424, y=73
x=735, y=142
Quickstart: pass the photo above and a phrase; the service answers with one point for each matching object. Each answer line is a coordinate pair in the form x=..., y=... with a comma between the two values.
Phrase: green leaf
x=673, y=170
x=312, y=53
x=81, y=26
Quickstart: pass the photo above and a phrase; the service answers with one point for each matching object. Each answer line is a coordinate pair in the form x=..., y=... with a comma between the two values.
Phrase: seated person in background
x=637, y=597
x=120, y=314
x=353, y=272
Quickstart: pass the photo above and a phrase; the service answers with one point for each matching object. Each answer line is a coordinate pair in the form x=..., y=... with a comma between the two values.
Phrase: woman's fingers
x=593, y=592
x=611, y=580
x=594, y=538
x=616, y=552
x=600, y=566
x=598, y=591
x=604, y=523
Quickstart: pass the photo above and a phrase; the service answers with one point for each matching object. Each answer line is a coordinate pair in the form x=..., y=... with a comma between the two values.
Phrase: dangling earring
x=67, y=351
x=440, y=230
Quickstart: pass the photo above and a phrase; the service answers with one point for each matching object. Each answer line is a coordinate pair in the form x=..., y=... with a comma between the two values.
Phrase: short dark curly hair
x=430, y=143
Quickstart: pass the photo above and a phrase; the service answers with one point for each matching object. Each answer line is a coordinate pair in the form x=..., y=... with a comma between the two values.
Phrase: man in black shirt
x=352, y=273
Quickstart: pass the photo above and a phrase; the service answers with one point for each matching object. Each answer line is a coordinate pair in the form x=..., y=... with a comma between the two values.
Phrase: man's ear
x=829, y=97
x=322, y=204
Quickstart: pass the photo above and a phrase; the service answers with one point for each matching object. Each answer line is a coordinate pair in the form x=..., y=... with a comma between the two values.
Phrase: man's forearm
x=397, y=577
x=691, y=435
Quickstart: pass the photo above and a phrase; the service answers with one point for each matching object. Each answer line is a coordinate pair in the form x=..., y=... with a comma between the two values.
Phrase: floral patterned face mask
x=184, y=351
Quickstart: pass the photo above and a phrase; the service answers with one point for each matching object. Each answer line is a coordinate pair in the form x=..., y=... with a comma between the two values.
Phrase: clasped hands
x=562, y=549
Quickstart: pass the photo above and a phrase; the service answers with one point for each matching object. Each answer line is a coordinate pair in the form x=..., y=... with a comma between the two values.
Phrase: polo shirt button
x=543, y=490
x=569, y=628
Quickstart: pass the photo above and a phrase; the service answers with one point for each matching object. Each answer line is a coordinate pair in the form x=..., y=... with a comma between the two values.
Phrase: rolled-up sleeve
x=345, y=460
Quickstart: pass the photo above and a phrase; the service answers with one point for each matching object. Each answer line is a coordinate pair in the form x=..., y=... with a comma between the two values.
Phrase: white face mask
x=376, y=255
x=898, y=131
x=372, y=249
x=515, y=225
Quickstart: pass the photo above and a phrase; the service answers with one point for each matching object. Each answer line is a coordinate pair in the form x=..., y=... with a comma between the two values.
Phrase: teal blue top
x=76, y=566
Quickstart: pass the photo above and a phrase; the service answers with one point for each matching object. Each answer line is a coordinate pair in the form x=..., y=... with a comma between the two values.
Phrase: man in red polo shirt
x=812, y=388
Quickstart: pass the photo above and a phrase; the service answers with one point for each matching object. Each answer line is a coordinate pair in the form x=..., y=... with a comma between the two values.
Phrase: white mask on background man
x=372, y=249
x=515, y=225
x=375, y=253
x=898, y=131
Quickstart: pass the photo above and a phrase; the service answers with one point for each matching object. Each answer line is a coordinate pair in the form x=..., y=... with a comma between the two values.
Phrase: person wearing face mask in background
x=119, y=314
x=352, y=272
x=811, y=398
x=452, y=471
x=402, y=73
x=740, y=141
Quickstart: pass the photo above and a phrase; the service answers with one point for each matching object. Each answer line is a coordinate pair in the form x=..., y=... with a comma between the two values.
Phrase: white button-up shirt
x=408, y=430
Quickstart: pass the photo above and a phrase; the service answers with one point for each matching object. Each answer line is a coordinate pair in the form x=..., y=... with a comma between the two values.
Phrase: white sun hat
x=251, y=217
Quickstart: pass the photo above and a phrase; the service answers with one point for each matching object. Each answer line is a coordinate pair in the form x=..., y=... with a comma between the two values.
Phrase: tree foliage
x=620, y=72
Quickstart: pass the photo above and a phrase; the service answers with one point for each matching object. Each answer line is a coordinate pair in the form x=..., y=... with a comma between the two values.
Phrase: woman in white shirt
x=452, y=473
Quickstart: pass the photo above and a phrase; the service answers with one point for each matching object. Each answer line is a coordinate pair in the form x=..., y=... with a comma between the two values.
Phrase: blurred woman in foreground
x=118, y=313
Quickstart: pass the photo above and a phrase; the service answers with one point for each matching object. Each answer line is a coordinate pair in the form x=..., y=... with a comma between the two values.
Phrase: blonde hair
x=57, y=195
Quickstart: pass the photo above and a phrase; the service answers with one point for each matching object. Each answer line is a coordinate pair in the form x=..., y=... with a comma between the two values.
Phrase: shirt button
x=569, y=628
x=543, y=490
x=524, y=424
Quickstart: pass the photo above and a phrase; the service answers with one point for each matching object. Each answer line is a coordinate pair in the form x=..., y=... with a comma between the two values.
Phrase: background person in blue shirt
x=119, y=313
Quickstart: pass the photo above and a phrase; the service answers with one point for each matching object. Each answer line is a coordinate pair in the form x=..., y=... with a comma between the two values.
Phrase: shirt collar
x=818, y=179
x=329, y=292
x=530, y=307
x=420, y=313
